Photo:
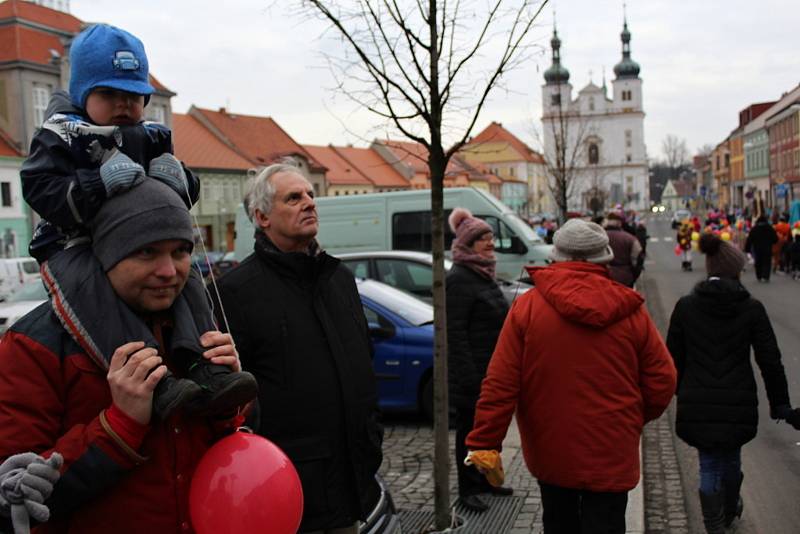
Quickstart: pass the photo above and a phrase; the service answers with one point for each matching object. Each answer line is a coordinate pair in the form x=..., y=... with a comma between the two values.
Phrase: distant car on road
x=203, y=264
x=411, y=271
x=401, y=328
x=22, y=301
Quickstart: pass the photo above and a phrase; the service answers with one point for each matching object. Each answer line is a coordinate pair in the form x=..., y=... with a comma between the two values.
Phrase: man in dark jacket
x=297, y=319
x=759, y=243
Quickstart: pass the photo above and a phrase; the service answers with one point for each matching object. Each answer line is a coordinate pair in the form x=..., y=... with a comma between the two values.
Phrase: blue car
x=401, y=327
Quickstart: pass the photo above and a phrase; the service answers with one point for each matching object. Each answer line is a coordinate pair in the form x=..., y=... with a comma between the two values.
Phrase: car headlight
x=654, y=209
x=662, y=208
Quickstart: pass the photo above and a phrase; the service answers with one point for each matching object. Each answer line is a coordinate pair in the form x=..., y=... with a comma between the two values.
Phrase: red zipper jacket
x=581, y=361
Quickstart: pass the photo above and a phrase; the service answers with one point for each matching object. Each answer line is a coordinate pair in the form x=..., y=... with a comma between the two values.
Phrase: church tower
x=557, y=91
x=627, y=84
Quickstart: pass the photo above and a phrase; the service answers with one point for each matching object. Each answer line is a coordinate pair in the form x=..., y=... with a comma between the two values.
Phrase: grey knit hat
x=146, y=213
x=579, y=240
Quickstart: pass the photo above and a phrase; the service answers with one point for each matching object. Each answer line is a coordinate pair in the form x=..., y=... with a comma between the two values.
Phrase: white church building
x=603, y=150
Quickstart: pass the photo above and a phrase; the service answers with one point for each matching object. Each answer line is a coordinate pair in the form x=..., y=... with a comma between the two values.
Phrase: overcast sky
x=701, y=62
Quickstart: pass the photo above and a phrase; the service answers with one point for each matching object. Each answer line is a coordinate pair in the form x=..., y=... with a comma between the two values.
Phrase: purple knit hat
x=466, y=227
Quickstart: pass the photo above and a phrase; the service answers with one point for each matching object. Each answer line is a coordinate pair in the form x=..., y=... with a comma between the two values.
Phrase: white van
x=402, y=221
x=15, y=272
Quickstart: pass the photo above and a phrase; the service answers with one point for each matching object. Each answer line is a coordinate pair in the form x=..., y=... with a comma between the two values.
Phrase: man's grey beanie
x=144, y=214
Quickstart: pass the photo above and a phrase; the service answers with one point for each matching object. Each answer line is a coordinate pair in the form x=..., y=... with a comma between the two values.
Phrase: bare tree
x=565, y=149
x=427, y=69
x=676, y=155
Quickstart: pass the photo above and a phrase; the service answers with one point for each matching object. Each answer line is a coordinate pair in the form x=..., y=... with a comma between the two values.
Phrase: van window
x=30, y=267
x=502, y=234
x=412, y=231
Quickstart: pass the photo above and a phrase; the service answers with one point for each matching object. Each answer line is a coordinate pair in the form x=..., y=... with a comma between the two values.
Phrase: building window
x=156, y=113
x=628, y=158
x=511, y=171
x=555, y=100
x=5, y=194
x=627, y=95
x=594, y=154
x=628, y=138
x=591, y=103
x=41, y=95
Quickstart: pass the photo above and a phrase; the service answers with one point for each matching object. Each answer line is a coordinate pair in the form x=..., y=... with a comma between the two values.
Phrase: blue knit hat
x=106, y=56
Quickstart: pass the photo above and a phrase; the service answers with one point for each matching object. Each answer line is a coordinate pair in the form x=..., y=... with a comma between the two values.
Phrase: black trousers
x=470, y=480
x=569, y=511
x=763, y=266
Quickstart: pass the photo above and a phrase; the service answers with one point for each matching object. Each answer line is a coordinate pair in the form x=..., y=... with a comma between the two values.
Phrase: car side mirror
x=381, y=332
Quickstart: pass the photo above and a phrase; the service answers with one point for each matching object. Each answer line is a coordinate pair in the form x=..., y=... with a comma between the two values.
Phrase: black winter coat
x=760, y=240
x=710, y=335
x=61, y=176
x=476, y=310
x=300, y=330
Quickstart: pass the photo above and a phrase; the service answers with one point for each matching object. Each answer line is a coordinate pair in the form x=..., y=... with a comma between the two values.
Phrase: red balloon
x=245, y=484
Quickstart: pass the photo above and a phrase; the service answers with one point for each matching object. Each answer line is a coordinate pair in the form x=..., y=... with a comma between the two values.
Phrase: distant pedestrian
x=710, y=336
x=759, y=243
x=625, y=267
x=582, y=364
x=684, y=246
x=794, y=257
x=476, y=309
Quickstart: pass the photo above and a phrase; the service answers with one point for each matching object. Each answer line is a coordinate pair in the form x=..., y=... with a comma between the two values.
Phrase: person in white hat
x=582, y=364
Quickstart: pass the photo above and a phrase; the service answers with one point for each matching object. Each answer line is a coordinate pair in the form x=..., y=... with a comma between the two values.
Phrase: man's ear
x=261, y=220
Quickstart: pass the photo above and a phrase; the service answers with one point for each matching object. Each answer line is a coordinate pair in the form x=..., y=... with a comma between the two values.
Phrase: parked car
x=401, y=327
x=205, y=262
x=22, y=301
x=679, y=216
x=15, y=272
x=411, y=272
x=224, y=264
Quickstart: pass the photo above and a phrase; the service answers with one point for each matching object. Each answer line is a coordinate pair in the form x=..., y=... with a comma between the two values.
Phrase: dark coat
x=61, y=176
x=710, y=335
x=300, y=330
x=476, y=310
x=760, y=240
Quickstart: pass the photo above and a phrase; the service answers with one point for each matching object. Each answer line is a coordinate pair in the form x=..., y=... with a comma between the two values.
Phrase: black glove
x=794, y=418
x=780, y=412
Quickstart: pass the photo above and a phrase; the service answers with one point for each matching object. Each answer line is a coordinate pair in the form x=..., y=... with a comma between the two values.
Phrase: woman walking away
x=710, y=335
x=759, y=243
x=476, y=310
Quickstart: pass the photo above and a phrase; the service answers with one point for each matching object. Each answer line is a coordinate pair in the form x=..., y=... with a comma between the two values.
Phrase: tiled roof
x=340, y=171
x=7, y=149
x=414, y=155
x=495, y=133
x=258, y=138
x=198, y=148
x=373, y=166
x=160, y=87
x=18, y=43
x=41, y=15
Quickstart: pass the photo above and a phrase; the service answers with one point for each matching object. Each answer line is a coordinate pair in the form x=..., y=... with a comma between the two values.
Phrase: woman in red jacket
x=583, y=365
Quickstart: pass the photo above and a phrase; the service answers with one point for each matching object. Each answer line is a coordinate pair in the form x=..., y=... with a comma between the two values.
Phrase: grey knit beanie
x=146, y=213
x=722, y=258
x=579, y=240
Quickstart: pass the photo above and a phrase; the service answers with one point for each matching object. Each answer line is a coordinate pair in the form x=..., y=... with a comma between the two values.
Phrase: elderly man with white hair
x=583, y=365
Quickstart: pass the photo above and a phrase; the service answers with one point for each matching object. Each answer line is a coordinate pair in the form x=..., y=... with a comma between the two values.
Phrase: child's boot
x=172, y=393
x=224, y=391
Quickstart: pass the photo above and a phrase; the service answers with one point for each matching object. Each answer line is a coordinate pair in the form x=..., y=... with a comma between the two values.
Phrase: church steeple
x=627, y=68
x=556, y=74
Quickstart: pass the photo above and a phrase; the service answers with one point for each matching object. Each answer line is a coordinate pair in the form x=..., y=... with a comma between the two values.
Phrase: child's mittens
x=119, y=173
x=167, y=169
x=26, y=482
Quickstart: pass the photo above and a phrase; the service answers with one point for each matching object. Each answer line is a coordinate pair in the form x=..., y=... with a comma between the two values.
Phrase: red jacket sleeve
x=657, y=374
x=500, y=388
x=38, y=396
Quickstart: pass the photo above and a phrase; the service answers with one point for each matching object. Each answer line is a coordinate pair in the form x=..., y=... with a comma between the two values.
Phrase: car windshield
x=525, y=229
x=682, y=214
x=409, y=308
x=31, y=291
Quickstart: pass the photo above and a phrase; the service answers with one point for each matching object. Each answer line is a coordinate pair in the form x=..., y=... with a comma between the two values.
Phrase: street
x=771, y=462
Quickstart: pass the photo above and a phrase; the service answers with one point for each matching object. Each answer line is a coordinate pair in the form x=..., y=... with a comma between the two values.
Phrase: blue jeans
x=717, y=468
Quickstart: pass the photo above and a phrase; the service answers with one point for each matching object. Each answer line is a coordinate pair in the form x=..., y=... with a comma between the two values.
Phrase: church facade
x=594, y=143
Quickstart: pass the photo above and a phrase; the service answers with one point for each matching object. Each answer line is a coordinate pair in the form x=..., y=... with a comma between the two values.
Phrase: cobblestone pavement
x=408, y=470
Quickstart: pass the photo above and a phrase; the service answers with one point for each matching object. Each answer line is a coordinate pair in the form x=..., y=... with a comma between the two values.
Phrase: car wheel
x=426, y=398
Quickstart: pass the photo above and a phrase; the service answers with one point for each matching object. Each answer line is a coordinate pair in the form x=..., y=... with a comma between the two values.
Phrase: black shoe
x=172, y=393
x=473, y=503
x=733, y=500
x=501, y=491
x=224, y=391
x=713, y=512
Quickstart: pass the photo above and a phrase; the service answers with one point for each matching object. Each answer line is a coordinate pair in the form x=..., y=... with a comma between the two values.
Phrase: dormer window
x=594, y=154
